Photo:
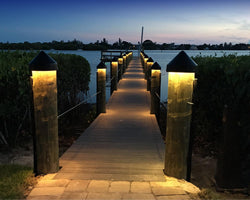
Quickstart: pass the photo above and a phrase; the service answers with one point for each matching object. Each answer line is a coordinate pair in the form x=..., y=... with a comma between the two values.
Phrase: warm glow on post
x=120, y=61
x=181, y=77
x=101, y=71
x=43, y=76
x=155, y=71
x=115, y=63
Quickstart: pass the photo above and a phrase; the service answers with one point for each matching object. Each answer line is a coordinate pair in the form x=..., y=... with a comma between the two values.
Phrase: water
x=162, y=57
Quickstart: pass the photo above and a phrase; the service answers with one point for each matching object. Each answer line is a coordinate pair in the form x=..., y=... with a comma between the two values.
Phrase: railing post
x=155, y=89
x=101, y=88
x=145, y=63
x=120, y=67
x=179, y=110
x=44, y=87
x=149, y=63
x=114, y=78
x=124, y=63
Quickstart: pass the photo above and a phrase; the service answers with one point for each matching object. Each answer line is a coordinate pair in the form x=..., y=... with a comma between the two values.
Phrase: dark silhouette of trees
x=104, y=45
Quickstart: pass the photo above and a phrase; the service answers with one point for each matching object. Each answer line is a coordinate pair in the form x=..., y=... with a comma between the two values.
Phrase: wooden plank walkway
x=122, y=144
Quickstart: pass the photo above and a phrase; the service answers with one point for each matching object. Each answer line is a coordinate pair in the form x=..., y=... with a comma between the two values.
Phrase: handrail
x=161, y=103
x=77, y=105
x=109, y=82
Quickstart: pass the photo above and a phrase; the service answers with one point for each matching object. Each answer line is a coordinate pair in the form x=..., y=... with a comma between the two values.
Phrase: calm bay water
x=162, y=57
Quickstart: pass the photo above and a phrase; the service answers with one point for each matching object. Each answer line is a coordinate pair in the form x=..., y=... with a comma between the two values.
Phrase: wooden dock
x=120, y=156
x=122, y=144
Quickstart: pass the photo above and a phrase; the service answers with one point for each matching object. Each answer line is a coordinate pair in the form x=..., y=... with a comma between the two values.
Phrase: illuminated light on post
x=114, y=77
x=181, y=74
x=120, y=67
x=149, y=63
x=155, y=89
x=124, y=63
x=101, y=88
x=44, y=86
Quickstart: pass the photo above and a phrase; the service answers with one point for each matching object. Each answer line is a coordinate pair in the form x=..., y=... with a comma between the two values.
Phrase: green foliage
x=73, y=77
x=15, y=103
x=14, y=180
x=222, y=81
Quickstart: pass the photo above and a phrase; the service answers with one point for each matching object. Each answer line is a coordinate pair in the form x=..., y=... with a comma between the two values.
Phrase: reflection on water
x=163, y=57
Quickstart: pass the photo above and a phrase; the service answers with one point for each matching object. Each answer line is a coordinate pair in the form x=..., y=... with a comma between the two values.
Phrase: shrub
x=15, y=104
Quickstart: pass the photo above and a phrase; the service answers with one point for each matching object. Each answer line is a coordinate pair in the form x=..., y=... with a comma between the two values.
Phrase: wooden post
x=229, y=164
x=44, y=86
x=101, y=88
x=114, y=77
x=124, y=63
x=149, y=63
x=155, y=89
x=180, y=88
x=145, y=64
x=120, y=67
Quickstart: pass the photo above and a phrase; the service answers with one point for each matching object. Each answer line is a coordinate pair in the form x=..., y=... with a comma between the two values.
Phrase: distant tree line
x=69, y=45
x=149, y=45
x=104, y=45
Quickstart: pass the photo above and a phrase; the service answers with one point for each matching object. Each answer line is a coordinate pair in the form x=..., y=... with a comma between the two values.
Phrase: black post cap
x=181, y=63
x=150, y=60
x=156, y=66
x=101, y=65
x=145, y=56
x=43, y=62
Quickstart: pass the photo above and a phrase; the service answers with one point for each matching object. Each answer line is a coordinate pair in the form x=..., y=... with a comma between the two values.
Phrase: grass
x=15, y=180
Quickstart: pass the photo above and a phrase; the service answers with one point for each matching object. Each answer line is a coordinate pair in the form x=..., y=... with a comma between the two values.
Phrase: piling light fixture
x=181, y=74
x=44, y=88
x=150, y=61
x=115, y=61
x=101, y=67
x=120, y=60
x=155, y=68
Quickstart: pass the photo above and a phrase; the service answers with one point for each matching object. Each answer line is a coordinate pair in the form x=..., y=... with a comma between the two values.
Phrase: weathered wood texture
x=180, y=89
x=46, y=123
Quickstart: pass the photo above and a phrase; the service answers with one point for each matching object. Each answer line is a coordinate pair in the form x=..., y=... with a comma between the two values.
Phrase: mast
x=141, y=37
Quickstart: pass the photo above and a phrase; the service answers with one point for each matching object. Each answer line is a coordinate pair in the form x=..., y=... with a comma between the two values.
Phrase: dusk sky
x=179, y=21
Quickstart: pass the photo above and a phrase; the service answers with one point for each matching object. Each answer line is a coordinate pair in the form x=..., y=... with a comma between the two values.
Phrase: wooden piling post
x=179, y=110
x=149, y=63
x=101, y=88
x=120, y=67
x=44, y=87
x=155, y=89
x=114, y=76
x=145, y=63
x=124, y=63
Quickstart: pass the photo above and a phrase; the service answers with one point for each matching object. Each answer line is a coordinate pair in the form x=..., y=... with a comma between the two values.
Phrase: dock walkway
x=121, y=154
